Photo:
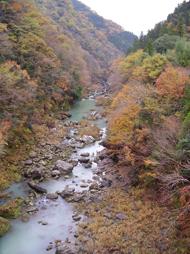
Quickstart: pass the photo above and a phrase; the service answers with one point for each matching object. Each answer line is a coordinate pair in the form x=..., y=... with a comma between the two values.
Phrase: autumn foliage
x=172, y=82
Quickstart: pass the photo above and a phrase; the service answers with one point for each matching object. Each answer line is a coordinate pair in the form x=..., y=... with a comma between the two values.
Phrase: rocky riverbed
x=56, y=177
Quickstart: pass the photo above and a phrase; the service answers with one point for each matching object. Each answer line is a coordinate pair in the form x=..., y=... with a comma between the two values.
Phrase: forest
x=56, y=53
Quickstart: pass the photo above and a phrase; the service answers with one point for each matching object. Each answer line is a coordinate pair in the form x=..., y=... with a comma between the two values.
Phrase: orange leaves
x=122, y=123
x=16, y=6
x=172, y=82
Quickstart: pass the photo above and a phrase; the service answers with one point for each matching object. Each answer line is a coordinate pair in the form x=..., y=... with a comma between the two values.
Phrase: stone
x=67, y=193
x=28, y=162
x=63, y=166
x=76, y=217
x=55, y=173
x=52, y=196
x=32, y=209
x=94, y=186
x=87, y=139
x=121, y=216
x=83, y=185
x=64, y=250
x=36, y=173
x=37, y=188
x=33, y=155
x=43, y=223
x=85, y=154
x=84, y=160
x=88, y=165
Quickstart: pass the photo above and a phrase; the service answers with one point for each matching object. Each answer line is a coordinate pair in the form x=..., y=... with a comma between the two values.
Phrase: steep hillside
x=100, y=40
x=50, y=52
x=149, y=128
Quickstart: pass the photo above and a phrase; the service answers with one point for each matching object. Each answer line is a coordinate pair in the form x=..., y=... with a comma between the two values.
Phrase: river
x=32, y=237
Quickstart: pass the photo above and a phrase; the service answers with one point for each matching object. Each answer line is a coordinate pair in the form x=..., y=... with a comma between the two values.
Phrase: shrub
x=183, y=52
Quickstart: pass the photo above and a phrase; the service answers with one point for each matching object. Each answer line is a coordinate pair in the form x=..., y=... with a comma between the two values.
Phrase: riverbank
x=58, y=173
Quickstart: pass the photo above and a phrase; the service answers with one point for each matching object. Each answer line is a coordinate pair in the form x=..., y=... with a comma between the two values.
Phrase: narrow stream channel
x=32, y=237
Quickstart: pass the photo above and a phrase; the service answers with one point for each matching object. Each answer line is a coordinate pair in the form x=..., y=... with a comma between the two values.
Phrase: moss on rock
x=11, y=209
x=4, y=226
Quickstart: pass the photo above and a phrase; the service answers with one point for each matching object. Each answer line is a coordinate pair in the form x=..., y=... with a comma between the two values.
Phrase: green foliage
x=165, y=42
x=183, y=53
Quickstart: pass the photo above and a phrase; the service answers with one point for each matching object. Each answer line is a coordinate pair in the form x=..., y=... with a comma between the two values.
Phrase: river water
x=32, y=237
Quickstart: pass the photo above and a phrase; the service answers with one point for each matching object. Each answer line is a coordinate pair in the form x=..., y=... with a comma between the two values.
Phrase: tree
x=172, y=82
x=183, y=52
x=181, y=26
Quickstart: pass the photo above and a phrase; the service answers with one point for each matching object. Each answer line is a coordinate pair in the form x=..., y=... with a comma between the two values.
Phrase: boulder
x=67, y=193
x=37, y=188
x=63, y=166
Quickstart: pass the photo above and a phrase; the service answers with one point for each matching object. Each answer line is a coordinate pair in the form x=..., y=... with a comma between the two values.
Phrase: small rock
x=120, y=216
x=85, y=154
x=84, y=160
x=52, y=196
x=76, y=217
x=55, y=173
x=83, y=185
x=28, y=162
x=33, y=155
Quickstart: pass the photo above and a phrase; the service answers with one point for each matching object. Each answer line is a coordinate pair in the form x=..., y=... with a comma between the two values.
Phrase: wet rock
x=67, y=193
x=76, y=217
x=37, y=188
x=88, y=165
x=55, y=173
x=50, y=247
x=94, y=186
x=64, y=250
x=43, y=223
x=52, y=196
x=83, y=185
x=63, y=166
x=32, y=209
x=87, y=139
x=84, y=160
x=36, y=173
x=85, y=154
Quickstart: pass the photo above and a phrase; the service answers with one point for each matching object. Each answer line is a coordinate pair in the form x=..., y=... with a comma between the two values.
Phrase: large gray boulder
x=63, y=166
